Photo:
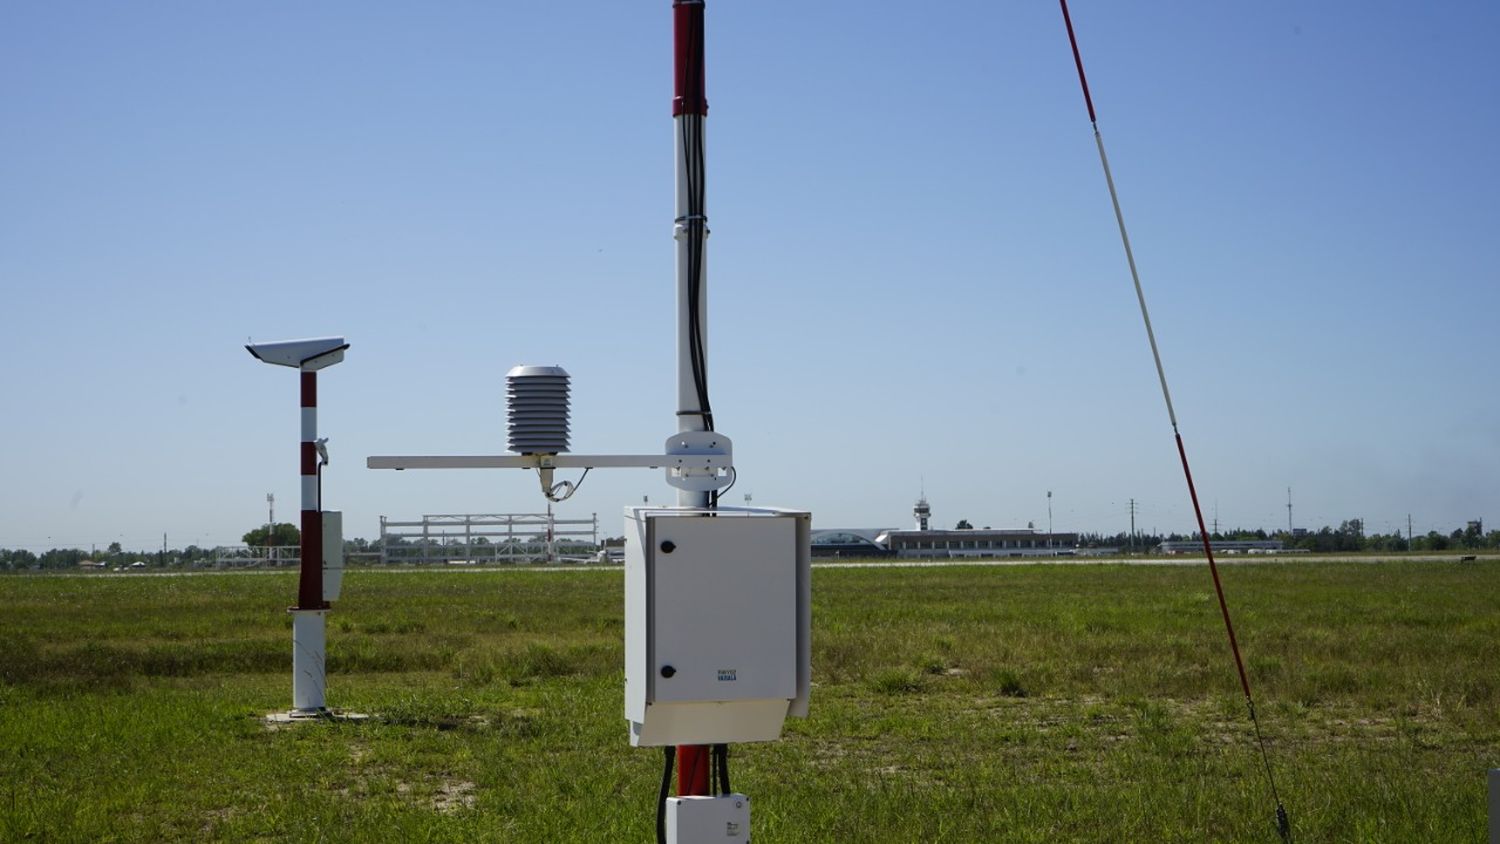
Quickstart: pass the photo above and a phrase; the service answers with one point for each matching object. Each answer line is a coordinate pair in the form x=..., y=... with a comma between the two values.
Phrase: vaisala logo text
x=726, y=675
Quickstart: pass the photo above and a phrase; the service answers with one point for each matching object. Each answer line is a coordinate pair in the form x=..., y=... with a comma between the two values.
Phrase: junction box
x=693, y=820
x=333, y=554
x=718, y=618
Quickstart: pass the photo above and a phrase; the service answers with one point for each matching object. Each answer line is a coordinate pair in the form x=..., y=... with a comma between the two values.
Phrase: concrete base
x=295, y=717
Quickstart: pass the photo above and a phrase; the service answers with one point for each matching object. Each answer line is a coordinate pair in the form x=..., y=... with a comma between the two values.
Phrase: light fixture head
x=309, y=355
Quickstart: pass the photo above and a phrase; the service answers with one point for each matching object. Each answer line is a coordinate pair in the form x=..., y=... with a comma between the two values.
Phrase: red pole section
x=310, y=584
x=692, y=770
x=687, y=31
x=1208, y=550
x=1078, y=60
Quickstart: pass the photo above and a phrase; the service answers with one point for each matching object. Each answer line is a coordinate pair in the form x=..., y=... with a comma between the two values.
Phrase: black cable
x=1283, y=820
x=695, y=221
x=669, y=755
x=721, y=752
x=570, y=486
x=713, y=771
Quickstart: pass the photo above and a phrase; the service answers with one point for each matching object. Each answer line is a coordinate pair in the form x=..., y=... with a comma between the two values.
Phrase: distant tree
x=284, y=533
x=963, y=524
x=1474, y=534
x=18, y=560
x=114, y=548
x=62, y=558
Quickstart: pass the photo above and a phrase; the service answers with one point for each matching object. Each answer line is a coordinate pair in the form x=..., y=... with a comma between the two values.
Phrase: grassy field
x=1032, y=703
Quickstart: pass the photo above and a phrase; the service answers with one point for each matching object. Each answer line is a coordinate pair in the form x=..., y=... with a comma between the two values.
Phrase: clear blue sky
x=914, y=270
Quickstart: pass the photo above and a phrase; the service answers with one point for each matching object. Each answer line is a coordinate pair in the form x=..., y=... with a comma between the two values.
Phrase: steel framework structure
x=472, y=538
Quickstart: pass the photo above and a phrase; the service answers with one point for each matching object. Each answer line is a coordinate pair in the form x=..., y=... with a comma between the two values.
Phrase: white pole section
x=689, y=110
x=309, y=636
x=309, y=650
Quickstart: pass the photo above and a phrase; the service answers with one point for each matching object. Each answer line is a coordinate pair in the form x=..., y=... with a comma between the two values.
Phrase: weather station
x=718, y=609
x=322, y=541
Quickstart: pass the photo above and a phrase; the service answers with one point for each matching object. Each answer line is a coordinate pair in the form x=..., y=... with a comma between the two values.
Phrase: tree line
x=1348, y=537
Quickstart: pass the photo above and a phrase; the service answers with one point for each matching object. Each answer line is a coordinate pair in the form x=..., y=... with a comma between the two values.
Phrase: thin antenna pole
x=1283, y=823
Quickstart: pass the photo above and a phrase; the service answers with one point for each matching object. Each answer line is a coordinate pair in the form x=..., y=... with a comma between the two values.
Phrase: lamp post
x=1049, y=519
x=309, y=616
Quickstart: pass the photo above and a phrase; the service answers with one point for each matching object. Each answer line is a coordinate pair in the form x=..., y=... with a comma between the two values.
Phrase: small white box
x=692, y=820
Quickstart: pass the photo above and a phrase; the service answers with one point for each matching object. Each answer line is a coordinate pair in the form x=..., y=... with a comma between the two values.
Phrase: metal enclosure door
x=724, y=609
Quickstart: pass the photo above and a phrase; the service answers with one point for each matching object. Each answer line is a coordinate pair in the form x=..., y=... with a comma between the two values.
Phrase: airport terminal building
x=925, y=543
x=941, y=544
x=978, y=543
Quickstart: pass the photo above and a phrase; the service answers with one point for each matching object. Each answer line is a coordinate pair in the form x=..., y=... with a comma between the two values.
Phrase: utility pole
x=1216, y=516
x=1132, y=525
x=1408, y=531
x=1049, y=518
x=1288, y=509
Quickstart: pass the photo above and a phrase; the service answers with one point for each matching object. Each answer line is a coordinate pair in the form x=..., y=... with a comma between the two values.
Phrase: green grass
x=1032, y=703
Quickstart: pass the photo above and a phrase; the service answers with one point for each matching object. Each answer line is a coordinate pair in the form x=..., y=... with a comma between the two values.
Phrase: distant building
x=1221, y=546
x=941, y=544
x=980, y=542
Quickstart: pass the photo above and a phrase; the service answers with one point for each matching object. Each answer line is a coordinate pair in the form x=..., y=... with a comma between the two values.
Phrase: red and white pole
x=1283, y=821
x=309, y=616
x=310, y=585
x=689, y=110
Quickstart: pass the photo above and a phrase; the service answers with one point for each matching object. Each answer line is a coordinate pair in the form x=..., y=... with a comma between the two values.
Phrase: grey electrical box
x=693, y=820
x=718, y=618
x=333, y=554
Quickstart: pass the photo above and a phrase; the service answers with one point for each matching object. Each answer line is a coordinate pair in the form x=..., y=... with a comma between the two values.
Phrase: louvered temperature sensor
x=537, y=401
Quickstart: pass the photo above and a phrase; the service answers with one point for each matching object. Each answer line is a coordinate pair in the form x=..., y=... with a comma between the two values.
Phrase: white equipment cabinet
x=718, y=619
